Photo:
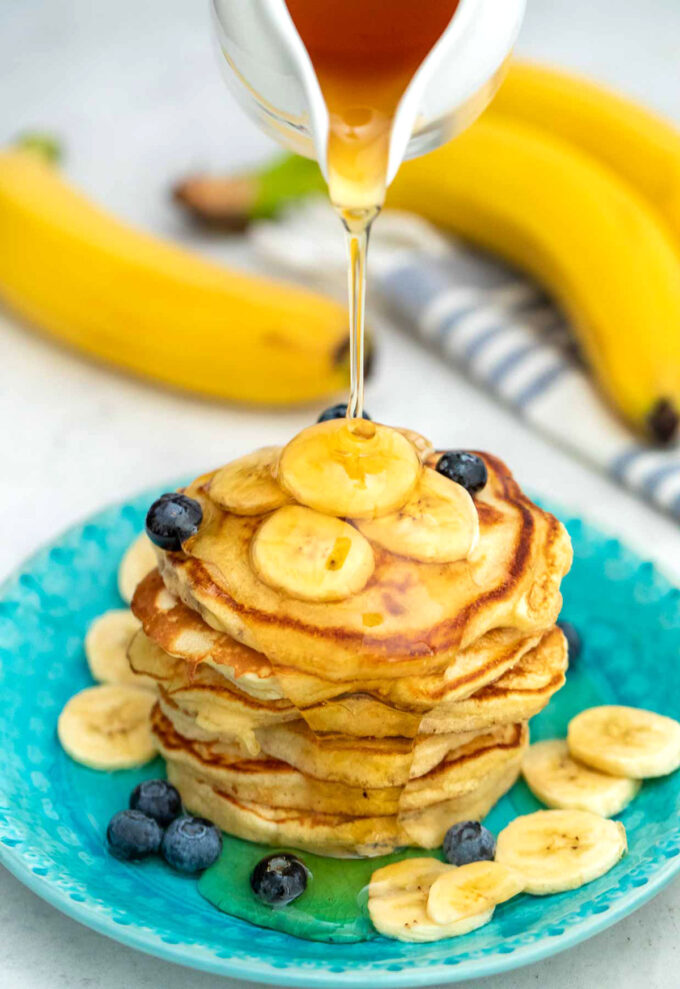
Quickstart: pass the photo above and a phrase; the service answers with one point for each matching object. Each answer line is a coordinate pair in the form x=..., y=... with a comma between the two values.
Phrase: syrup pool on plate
x=332, y=908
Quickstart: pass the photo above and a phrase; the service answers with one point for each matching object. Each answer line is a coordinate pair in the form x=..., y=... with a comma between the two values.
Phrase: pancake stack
x=349, y=649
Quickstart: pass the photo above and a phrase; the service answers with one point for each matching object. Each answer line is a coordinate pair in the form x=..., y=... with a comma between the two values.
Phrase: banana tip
x=663, y=421
x=341, y=356
x=223, y=203
x=45, y=146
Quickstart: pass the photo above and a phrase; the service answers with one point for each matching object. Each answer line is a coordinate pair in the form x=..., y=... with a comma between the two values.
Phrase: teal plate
x=53, y=813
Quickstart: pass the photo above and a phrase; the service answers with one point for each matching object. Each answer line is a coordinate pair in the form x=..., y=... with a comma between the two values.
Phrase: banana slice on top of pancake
x=398, y=897
x=108, y=727
x=563, y=783
x=351, y=470
x=247, y=486
x=311, y=556
x=438, y=524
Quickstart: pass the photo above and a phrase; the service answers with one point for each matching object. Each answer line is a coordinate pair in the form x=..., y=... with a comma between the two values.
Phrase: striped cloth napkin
x=487, y=320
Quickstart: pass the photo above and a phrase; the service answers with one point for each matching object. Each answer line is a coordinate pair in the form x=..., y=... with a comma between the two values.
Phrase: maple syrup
x=364, y=53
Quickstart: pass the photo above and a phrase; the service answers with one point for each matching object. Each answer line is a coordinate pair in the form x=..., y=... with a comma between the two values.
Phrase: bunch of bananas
x=80, y=275
x=564, y=179
x=581, y=189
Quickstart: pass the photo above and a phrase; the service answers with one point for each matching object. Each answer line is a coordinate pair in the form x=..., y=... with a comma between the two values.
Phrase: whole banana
x=91, y=281
x=640, y=146
x=598, y=246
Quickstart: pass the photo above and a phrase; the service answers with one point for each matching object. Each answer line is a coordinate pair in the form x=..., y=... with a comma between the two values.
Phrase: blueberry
x=337, y=412
x=133, y=835
x=573, y=637
x=466, y=469
x=173, y=519
x=467, y=842
x=278, y=879
x=158, y=799
x=191, y=844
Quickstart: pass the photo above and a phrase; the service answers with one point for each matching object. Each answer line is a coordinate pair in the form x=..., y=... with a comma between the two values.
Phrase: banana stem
x=45, y=146
x=231, y=202
x=663, y=421
x=285, y=180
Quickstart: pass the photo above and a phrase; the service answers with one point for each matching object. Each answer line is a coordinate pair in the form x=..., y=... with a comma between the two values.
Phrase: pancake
x=354, y=725
x=338, y=835
x=186, y=725
x=183, y=634
x=519, y=694
x=465, y=767
x=220, y=706
x=427, y=612
x=274, y=783
x=356, y=761
x=427, y=827
x=215, y=705
x=206, y=689
x=362, y=762
x=266, y=780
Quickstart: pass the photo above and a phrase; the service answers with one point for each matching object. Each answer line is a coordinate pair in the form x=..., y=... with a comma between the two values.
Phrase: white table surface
x=134, y=90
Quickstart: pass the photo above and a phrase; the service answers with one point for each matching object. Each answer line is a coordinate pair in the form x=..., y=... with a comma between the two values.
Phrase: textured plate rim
x=263, y=972
x=441, y=974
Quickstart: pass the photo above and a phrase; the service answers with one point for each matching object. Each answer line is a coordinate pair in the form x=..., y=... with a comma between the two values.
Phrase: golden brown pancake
x=519, y=694
x=428, y=826
x=218, y=702
x=336, y=835
x=354, y=760
x=352, y=726
x=331, y=818
x=267, y=780
x=183, y=634
x=204, y=690
x=427, y=612
x=278, y=784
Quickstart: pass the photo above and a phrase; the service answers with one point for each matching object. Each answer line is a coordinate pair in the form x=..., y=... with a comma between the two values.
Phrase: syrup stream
x=357, y=225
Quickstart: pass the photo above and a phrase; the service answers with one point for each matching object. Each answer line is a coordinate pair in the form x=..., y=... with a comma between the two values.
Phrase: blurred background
x=134, y=93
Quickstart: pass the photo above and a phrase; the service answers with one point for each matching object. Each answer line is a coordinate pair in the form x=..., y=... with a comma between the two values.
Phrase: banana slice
x=422, y=445
x=414, y=875
x=138, y=561
x=404, y=917
x=397, y=902
x=359, y=474
x=561, y=782
x=470, y=890
x=108, y=727
x=247, y=485
x=438, y=524
x=106, y=646
x=311, y=556
x=557, y=850
x=625, y=741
